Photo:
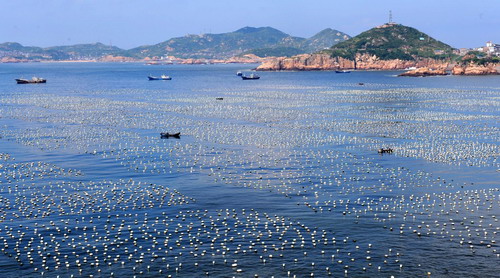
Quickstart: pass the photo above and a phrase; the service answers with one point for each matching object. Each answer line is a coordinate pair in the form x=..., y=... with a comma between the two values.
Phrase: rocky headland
x=456, y=69
x=470, y=69
x=474, y=69
x=423, y=66
x=361, y=62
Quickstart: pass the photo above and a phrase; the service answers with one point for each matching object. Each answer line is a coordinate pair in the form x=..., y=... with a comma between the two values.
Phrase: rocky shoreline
x=318, y=62
x=361, y=62
x=423, y=67
x=472, y=69
x=423, y=72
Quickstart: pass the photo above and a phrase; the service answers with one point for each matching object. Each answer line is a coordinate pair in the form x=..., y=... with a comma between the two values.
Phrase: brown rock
x=474, y=69
x=361, y=61
x=306, y=62
x=458, y=70
x=425, y=71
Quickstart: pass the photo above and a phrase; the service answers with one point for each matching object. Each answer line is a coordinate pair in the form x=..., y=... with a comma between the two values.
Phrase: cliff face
x=362, y=62
x=370, y=62
x=306, y=62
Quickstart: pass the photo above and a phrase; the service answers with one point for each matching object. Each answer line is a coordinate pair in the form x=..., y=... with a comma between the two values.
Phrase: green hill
x=392, y=41
x=87, y=50
x=263, y=41
x=18, y=51
x=223, y=45
x=14, y=46
x=324, y=39
x=320, y=41
x=279, y=51
x=71, y=52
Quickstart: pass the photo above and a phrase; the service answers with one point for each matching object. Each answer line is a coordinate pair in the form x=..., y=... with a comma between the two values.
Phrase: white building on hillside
x=492, y=48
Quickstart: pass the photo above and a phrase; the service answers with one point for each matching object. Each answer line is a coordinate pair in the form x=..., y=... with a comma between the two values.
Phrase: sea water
x=279, y=176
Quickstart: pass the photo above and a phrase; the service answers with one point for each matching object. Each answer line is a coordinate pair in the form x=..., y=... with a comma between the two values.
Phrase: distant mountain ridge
x=262, y=41
x=71, y=52
x=325, y=39
x=18, y=51
x=88, y=50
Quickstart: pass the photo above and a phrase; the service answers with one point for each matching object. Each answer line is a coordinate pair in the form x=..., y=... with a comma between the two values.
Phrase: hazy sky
x=131, y=23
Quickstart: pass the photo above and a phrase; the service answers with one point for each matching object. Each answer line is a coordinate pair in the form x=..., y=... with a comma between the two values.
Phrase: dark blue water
x=279, y=178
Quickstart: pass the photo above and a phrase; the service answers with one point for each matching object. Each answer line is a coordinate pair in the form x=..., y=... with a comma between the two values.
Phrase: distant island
x=15, y=52
x=245, y=42
x=263, y=42
x=390, y=46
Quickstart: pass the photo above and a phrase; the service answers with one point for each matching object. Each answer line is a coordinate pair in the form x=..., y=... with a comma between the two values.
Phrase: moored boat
x=239, y=73
x=168, y=135
x=250, y=77
x=388, y=150
x=162, y=77
x=33, y=80
x=342, y=71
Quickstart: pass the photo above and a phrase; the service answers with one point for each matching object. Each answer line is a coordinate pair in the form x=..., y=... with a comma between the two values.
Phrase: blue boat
x=250, y=77
x=162, y=77
x=34, y=80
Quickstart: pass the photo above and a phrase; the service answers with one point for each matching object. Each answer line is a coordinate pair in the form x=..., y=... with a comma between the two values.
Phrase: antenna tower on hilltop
x=390, y=16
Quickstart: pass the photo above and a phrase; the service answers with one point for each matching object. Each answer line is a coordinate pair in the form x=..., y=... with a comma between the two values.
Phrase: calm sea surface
x=273, y=177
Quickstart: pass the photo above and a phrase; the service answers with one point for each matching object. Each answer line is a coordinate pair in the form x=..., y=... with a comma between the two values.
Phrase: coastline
x=245, y=59
x=314, y=62
x=419, y=67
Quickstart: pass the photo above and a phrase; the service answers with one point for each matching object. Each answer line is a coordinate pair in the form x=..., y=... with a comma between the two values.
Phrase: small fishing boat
x=33, y=80
x=168, y=135
x=250, y=77
x=388, y=150
x=162, y=77
x=239, y=73
x=342, y=71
